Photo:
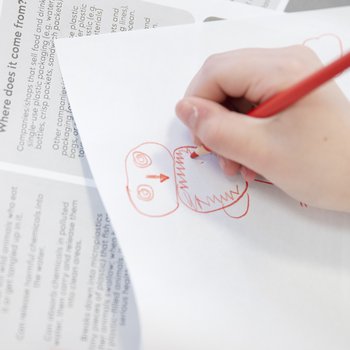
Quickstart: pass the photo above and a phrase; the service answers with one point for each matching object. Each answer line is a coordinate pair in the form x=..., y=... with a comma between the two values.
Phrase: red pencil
x=286, y=98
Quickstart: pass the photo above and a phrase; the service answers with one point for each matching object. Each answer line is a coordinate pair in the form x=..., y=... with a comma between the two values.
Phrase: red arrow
x=161, y=177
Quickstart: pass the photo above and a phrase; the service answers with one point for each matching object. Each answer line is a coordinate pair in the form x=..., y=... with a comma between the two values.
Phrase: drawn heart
x=330, y=41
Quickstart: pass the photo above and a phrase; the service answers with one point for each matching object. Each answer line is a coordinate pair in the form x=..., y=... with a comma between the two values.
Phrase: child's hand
x=304, y=150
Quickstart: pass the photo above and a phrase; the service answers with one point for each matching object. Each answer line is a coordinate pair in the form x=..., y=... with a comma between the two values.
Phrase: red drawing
x=158, y=180
x=263, y=181
x=151, y=181
x=332, y=42
x=145, y=193
x=141, y=159
x=160, y=177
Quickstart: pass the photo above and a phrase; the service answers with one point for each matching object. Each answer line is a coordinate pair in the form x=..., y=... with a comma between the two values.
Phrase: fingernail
x=188, y=113
x=222, y=163
x=247, y=174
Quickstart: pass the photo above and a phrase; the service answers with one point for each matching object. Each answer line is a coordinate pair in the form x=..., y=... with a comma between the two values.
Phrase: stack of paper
x=64, y=283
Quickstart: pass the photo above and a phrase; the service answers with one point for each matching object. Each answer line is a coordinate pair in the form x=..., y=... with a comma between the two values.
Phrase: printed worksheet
x=44, y=134
x=216, y=263
x=63, y=280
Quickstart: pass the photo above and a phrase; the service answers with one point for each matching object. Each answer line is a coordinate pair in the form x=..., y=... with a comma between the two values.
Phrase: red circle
x=145, y=193
x=142, y=160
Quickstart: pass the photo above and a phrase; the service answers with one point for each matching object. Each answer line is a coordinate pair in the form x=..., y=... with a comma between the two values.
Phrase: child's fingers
x=229, y=134
x=229, y=167
x=255, y=74
x=216, y=78
x=248, y=174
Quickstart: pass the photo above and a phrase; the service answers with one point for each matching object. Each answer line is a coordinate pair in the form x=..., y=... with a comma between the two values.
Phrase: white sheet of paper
x=278, y=5
x=296, y=5
x=216, y=8
x=278, y=278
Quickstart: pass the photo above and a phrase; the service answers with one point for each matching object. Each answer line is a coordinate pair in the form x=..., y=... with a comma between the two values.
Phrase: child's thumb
x=229, y=134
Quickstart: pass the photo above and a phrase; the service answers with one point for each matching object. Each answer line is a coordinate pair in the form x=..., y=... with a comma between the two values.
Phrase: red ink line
x=161, y=177
x=264, y=181
x=221, y=199
x=180, y=169
x=242, y=215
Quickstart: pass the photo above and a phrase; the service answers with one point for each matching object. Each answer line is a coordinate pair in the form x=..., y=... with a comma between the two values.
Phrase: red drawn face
x=157, y=181
x=151, y=180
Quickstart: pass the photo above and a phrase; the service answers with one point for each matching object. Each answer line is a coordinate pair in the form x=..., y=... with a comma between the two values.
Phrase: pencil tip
x=194, y=155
